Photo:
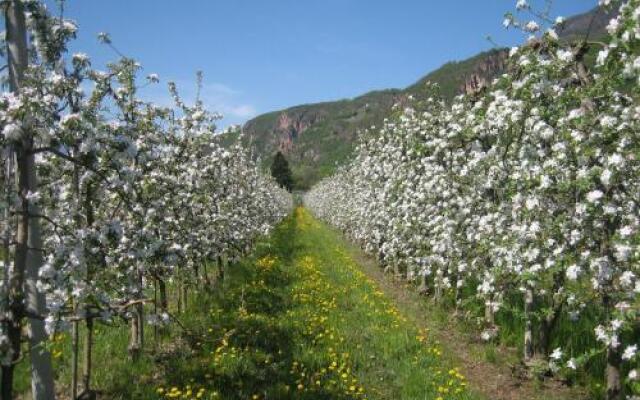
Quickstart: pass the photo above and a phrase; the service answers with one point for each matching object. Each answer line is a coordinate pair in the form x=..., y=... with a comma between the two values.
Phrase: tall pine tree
x=281, y=172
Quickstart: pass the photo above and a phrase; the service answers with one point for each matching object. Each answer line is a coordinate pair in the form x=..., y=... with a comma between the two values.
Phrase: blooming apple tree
x=106, y=197
x=520, y=199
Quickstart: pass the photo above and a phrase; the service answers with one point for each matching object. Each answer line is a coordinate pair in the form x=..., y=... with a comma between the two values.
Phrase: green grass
x=393, y=359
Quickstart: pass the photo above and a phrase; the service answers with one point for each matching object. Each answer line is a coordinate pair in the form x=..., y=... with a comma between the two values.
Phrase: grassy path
x=299, y=320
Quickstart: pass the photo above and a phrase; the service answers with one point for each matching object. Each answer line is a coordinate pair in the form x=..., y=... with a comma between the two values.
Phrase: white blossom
x=630, y=352
x=594, y=196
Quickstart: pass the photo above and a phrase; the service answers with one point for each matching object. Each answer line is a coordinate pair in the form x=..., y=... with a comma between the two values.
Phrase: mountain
x=316, y=138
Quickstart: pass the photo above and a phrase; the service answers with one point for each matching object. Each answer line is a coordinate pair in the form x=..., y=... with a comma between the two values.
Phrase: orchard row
x=106, y=197
x=518, y=204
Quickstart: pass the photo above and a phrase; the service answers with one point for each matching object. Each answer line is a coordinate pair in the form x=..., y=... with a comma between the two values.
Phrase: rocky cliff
x=289, y=127
x=485, y=71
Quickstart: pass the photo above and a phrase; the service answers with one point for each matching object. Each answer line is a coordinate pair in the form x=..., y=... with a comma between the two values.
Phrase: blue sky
x=263, y=55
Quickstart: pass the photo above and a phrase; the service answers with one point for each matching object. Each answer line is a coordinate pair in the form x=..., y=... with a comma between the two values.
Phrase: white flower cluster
x=528, y=190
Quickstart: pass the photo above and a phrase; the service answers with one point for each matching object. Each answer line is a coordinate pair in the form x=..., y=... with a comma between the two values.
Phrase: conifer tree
x=281, y=172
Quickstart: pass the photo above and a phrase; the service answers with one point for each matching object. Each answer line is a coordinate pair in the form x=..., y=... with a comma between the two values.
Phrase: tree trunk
x=549, y=322
x=155, y=313
x=438, y=286
x=162, y=288
x=528, y=334
x=8, y=184
x=140, y=320
x=13, y=329
x=183, y=294
x=16, y=47
x=7, y=382
x=179, y=298
x=28, y=259
x=423, y=289
x=87, y=361
x=42, y=384
x=457, y=295
x=7, y=371
x=196, y=274
x=544, y=340
x=134, y=344
x=489, y=316
x=205, y=275
x=614, y=361
x=7, y=379
x=547, y=325
x=74, y=359
x=220, y=269
x=88, y=341
x=137, y=321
